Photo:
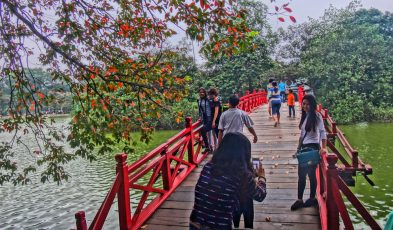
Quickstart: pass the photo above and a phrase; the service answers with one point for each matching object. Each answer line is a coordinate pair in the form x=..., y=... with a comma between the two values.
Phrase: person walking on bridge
x=205, y=114
x=223, y=180
x=216, y=114
x=233, y=120
x=312, y=134
x=275, y=102
x=291, y=104
x=282, y=86
x=269, y=88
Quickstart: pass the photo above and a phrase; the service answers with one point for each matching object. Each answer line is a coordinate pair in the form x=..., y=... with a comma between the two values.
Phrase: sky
x=303, y=9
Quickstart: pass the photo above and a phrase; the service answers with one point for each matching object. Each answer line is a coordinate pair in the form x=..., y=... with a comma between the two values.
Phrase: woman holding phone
x=246, y=202
x=224, y=181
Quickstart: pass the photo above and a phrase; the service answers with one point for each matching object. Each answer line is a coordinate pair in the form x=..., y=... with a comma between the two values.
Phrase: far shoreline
x=62, y=115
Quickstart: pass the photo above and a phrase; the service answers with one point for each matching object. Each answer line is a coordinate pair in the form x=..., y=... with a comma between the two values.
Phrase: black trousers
x=291, y=108
x=216, y=130
x=312, y=176
x=247, y=209
x=207, y=126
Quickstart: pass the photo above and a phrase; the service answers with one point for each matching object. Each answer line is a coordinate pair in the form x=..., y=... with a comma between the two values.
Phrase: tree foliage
x=112, y=56
x=347, y=56
x=244, y=70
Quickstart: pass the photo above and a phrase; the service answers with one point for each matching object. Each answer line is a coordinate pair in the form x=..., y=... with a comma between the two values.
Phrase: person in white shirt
x=233, y=120
x=312, y=135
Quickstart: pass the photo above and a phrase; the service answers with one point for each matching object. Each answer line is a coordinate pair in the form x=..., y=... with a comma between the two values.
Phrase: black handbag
x=307, y=156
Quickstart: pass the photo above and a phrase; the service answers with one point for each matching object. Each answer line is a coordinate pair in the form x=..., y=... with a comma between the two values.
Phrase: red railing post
x=300, y=94
x=166, y=170
x=319, y=108
x=80, y=221
x=355, y=159
x=191, y=155
x=322, y=188
x=325, y=114
x=123, y=195
x=254, y=99
x=334, y=128
x=333, y=220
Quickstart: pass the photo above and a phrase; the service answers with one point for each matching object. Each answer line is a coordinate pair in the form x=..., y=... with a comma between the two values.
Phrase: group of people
x=216, y=123
x=278, y=93
x=229, y=182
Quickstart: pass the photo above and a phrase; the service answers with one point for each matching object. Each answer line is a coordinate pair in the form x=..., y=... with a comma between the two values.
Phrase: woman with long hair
x=312, y=135
x=227, y=177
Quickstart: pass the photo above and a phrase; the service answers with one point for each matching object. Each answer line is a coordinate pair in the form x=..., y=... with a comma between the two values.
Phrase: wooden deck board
x=276, y=146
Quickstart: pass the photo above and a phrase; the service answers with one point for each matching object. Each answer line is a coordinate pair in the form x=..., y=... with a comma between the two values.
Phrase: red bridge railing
x=156, y=175
x=250, y=101
x=333, y=180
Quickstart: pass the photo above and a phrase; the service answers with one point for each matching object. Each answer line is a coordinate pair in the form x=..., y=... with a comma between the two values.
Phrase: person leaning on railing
x=223, y=180
x=312, y=134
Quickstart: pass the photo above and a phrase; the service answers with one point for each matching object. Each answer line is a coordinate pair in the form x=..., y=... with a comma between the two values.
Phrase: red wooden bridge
x=165, y=179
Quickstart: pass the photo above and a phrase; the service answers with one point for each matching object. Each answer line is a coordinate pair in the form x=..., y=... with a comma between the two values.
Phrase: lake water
x=52, y=206
x=374, y=141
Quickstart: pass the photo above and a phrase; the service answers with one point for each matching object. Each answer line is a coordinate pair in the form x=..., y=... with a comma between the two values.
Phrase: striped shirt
x=275, y=97
x=217, y=197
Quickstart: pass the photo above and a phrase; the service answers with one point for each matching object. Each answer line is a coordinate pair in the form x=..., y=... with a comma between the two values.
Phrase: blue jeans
x=276, y=108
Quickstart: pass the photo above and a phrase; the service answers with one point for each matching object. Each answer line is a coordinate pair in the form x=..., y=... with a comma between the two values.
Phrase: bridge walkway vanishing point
x=276, y=146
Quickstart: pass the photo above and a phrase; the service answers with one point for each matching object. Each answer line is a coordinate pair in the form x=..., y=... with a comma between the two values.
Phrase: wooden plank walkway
x=276, y=146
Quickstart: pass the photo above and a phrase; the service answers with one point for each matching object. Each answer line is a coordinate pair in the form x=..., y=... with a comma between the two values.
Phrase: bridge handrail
x=331, y=186
x=330, y=198
x=355, y=164
x=250, y=101
x=169, y=163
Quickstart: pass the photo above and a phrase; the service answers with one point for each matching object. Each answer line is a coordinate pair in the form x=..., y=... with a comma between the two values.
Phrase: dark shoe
x=206, y=150
x=312, y=202
x=298, y=204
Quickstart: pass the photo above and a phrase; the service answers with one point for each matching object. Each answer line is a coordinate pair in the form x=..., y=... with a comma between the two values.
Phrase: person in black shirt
x=205, y=113
x=216, y=109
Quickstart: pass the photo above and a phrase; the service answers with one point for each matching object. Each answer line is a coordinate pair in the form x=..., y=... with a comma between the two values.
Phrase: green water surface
x=374, y=141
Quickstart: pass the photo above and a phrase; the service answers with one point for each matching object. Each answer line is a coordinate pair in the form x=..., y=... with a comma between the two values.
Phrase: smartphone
x=256, y=162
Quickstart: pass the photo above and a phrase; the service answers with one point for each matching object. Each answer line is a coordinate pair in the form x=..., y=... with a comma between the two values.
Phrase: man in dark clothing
x=205, y=113
x=216, y=109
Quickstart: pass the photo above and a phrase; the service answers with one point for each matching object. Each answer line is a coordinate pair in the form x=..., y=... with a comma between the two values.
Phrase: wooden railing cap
x=121, y=158
x=80, y=215
x=332, y=160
